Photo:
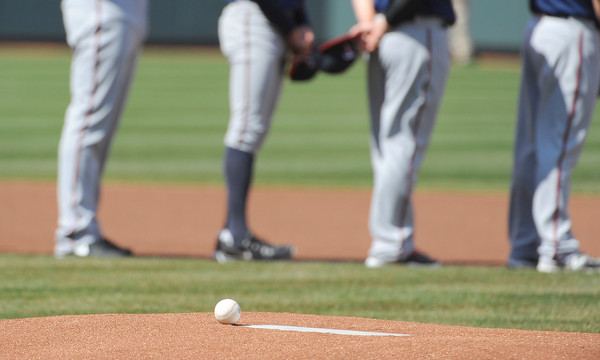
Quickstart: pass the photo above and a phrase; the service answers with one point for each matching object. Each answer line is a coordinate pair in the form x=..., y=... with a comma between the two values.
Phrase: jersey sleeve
x=285, y=21
x=401, y=10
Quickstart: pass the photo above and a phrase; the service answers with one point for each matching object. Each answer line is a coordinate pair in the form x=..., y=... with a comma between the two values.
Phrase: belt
x=563, y=16
x=443, y=21
x=566, y=16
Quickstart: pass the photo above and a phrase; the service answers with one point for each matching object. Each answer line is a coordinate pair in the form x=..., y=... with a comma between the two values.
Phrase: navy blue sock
x=238, y=176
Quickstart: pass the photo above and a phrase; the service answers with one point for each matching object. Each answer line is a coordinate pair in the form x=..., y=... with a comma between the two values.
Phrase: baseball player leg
x=104, y=58
x=404, y=128
x=255, y=52
x=238, y=177
x=567, y=105
x=522, y=231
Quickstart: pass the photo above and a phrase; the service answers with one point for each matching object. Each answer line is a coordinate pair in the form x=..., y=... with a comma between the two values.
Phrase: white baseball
x=228, y=311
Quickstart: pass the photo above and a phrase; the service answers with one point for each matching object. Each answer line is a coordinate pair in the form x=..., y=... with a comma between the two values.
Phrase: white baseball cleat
x=574, y=262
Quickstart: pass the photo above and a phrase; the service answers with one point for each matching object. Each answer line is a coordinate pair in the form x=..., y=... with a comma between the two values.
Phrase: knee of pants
x=248, y=140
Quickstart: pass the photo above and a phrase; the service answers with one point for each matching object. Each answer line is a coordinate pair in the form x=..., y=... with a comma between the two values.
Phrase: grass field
x=172, y=133
x=467, y=296
x=174, y=124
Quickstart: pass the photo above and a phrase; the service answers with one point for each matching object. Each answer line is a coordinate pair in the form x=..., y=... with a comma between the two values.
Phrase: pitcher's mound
x=199, y=336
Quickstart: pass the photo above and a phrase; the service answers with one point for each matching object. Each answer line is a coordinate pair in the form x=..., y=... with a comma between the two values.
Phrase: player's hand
x=360, y=30
x=301, y=41
x=372, y=38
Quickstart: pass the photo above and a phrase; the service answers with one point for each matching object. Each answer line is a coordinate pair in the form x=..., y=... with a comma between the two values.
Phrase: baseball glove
x=338, y=54
x=305, y=68
x=334, y=56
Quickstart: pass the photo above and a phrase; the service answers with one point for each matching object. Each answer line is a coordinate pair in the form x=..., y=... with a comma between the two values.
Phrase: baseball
x=228, y=311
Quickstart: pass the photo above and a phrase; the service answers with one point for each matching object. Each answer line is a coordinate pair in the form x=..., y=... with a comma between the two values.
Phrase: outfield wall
x=495, y=25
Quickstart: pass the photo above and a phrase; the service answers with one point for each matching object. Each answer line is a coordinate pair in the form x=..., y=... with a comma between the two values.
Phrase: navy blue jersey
x=563, y=8
x=408, y=9
x=285, y=15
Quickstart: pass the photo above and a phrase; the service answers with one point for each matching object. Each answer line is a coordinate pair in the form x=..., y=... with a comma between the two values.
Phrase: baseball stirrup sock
x=238, y=175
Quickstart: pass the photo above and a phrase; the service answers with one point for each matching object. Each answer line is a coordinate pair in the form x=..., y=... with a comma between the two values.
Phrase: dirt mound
x=199, y=336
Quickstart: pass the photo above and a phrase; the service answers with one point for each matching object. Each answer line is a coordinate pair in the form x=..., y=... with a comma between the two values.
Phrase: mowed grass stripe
x=490, y=297
x=178, y=112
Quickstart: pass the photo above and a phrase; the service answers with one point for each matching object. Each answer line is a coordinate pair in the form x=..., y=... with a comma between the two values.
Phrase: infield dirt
x=463, y=228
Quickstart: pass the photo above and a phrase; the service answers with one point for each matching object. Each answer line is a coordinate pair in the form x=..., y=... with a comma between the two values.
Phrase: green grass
x=174, y=124
x=32, y=286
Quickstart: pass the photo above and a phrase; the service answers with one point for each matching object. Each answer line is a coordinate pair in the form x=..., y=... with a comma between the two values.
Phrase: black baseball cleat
x=106, y=249
x=419, y=259
x=251, y=248
x=101, y=248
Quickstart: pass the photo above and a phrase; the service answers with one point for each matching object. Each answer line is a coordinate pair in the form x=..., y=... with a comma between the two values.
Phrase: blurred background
x=492, y=25
x=177, y=113
x=174, y=123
